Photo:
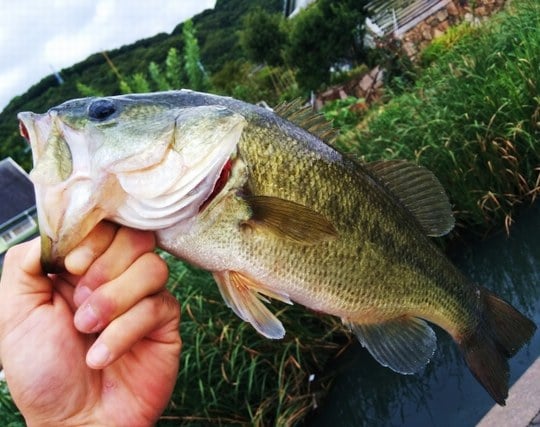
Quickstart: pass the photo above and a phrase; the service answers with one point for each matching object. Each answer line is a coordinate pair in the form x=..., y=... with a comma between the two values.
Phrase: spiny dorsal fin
x=420, y=191
x=304, y=116
x=289, y=220
x=405, y=344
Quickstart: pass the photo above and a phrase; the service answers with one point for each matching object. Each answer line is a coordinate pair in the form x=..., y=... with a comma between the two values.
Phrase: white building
x=18, y=218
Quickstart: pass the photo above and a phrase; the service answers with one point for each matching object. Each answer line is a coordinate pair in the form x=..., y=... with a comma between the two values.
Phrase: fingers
x=155, y=317
x=100, y=238
x=146, y=276
x=23, y=257
x=105, y=259
x=22, y=272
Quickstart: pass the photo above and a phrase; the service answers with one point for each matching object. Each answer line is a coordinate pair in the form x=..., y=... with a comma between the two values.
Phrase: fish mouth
x=66, y=206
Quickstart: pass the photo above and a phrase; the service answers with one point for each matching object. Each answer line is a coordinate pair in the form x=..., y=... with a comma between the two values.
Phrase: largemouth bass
x=273, y=212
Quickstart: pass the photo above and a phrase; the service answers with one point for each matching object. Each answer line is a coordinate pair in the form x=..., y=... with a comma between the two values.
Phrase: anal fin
x=404, y=344
x=244, y=296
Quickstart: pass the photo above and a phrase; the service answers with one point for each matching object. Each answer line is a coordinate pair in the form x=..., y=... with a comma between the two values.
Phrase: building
x=292, y=7
x=18, y=217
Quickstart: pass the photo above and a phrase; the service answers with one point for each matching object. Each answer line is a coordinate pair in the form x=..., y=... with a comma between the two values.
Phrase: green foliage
x=442, y=44
x=245, y=81
x=86, y=90
x=344, y=113
x=219, y=31
x=264, y=36
x=156, y=79
x=230, y=374
x=473, y=119
x=326, y=34
x=173, y=69
x=399, y=70
x=157, y=76
x=344, y=76
x=9, y=415
x=196, y=76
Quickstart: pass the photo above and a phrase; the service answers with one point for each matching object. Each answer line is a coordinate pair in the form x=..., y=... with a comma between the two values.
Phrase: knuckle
x=157, y=267
x=140, y=240
x=105, y=307
x=165, y=302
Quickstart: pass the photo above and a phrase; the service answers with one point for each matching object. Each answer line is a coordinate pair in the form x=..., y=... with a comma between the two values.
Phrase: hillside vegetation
x=217, y=31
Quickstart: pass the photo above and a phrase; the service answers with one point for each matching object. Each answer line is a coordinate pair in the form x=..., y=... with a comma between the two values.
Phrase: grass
x=473, y=118
x=231, y=375
x=9, y=415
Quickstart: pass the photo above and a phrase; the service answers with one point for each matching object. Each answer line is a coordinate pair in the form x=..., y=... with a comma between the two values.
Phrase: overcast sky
x=37, y=36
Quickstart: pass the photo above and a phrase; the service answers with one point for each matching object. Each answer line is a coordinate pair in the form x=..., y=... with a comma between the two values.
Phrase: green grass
x=230, y=374
x=473, y=118
x=9, y=415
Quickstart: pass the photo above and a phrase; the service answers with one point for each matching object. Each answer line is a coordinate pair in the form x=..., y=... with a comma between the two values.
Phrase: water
x=445, y=394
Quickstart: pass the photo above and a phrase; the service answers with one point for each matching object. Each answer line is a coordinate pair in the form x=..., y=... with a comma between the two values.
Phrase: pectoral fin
x=243, y=296
x=289, y=220
x=405, y=344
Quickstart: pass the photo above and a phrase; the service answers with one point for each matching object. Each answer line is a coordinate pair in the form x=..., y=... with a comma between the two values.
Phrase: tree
x=196, y=76
x=325, y=34
x=264, y=37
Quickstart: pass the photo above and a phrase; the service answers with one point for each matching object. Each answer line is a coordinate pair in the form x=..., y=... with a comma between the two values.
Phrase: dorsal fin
x=304, y=116
x=420, y=192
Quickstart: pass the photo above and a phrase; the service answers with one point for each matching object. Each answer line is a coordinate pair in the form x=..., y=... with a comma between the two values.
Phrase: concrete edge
x=523, y=403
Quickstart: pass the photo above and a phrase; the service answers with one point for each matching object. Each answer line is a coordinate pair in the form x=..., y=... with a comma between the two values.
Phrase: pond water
x=445, y=393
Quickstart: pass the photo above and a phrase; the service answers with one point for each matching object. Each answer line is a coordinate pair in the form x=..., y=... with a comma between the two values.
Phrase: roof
x=16, y=190
x=399, y=16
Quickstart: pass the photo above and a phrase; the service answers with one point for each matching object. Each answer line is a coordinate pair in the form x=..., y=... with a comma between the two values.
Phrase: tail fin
x=501, y=332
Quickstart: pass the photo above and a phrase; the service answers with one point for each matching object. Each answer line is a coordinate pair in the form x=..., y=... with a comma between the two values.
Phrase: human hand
x=98, y=345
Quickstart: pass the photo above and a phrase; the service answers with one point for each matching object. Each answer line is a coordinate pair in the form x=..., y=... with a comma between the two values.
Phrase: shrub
x=473, y=118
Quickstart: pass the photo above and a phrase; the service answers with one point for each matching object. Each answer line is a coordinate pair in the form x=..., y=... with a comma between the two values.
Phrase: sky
x=40, y=36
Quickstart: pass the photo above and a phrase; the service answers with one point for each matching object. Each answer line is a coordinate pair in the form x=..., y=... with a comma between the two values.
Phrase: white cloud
x=36, y=34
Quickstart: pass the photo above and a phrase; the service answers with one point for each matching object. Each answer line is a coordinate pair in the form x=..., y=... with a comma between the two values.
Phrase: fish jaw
x=63, y=228
x=68, y=198
x=148, y=170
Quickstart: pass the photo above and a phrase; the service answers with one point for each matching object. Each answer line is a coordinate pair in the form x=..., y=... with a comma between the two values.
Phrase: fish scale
x=273, y=212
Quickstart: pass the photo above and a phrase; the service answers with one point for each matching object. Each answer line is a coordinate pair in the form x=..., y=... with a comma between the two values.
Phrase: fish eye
x=101, y=109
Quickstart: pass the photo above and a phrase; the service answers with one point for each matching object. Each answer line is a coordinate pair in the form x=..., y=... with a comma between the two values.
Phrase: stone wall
x=365, y=87
x=368, y=86
x=453, y=13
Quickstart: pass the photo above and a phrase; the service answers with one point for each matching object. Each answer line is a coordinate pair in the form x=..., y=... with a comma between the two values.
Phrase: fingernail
x=98, y=355
x=81, y=294
x=86, y=319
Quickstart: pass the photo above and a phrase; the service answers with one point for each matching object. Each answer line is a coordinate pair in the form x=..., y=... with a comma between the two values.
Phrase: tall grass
x=9, y=415
x=473, y=118
x=230, y=374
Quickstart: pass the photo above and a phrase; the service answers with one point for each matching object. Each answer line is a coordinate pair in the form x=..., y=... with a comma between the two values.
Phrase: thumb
x=22, y=276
